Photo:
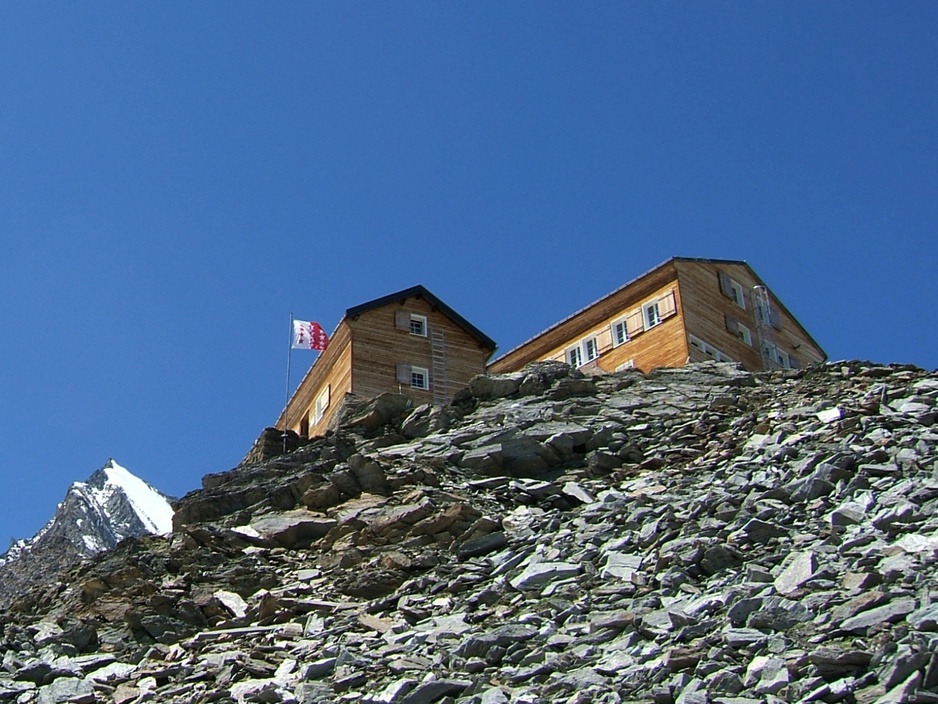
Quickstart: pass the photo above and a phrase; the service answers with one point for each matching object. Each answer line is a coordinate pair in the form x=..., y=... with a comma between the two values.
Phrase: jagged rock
x=692, y=535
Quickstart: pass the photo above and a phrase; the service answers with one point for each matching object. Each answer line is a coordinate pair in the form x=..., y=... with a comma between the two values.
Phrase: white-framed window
x=739, y=293
x=586, y=350
x=780, y=357
x=591, y=348
x=322, y=403
x=651, y=314
x=739, y=330
x=419, y=378
x=418, y=325
x=414, y=323
x=620, y=332
x=732, y=289
x=709, y=349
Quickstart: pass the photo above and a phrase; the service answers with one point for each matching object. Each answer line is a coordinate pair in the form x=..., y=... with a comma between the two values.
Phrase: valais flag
x=309, y=336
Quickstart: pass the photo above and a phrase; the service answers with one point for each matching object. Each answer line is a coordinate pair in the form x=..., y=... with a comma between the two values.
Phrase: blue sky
x=177, y=178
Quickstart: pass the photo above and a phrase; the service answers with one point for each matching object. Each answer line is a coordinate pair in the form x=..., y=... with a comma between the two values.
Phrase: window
x=651, y=314
x=418, y=325
x=415, y=377
x=411, y=322
x=322, y=403
x=620, y=332
x=584, y=351
x=709, y=349
x=732, y=289
x=780, y=357
x=739, y=293
x=626, y=365
x=739, y=330
x=591, y=347
x=419, y=378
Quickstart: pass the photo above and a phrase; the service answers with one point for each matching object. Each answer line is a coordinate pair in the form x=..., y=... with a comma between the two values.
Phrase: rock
x=799, y=569
x=538, y=574
x=887, y=613
x=692, y=535
x=291, y=529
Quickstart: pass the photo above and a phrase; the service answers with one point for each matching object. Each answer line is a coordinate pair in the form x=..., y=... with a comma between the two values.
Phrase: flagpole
x=287, y=393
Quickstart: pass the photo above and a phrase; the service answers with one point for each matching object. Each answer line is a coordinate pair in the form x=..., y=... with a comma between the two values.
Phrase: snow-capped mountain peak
x=150, y=506
x=111, y=505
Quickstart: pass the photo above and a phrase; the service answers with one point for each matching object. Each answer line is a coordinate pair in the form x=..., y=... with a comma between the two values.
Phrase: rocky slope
x=95, y=515
x=693, y=535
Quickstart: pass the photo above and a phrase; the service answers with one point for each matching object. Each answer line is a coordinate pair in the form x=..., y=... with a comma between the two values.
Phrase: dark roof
x=419, y=291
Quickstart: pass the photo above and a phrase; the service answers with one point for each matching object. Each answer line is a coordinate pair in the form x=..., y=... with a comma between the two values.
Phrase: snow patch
x=154, y=510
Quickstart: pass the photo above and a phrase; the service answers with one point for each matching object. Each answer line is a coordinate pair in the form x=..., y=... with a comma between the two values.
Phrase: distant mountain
x=95, y=515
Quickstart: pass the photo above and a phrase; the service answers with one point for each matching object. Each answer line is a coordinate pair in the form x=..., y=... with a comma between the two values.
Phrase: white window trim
x=779, y=356
x=650, y=321
x=418, y=372
x=745, y=334
x=418, y=325
x=583, y=352
x=617, y=327
x=739, y=293
x=630, y=364
x=709, y=349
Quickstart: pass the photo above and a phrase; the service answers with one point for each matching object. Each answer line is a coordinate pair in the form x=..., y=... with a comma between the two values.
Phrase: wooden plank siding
x=648, y=348
x=379, y=346
x=332, y=368
x=706, y=310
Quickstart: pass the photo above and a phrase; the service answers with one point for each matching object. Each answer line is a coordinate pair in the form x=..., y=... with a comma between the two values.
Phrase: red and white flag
x=309, y=336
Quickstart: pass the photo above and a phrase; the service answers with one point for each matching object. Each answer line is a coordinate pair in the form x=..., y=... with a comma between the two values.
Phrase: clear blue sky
x=177, y=178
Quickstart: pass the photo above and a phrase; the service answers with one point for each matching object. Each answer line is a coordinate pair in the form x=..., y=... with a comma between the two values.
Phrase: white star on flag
x=309, y=336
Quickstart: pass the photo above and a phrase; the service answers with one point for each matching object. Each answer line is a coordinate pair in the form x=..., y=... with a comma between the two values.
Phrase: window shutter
x=634, y=322
x=732, y=324
x=403, y=374
x=793, y=362
x=402, y=320
x=774, y=318
x=666, y=305
x=726, y=288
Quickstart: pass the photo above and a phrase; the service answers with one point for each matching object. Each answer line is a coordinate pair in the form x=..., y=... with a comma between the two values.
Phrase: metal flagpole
x=287, y=393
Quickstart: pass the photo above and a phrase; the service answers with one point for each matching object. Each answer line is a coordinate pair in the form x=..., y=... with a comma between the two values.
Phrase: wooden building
x=408, y=342
x=684, y=310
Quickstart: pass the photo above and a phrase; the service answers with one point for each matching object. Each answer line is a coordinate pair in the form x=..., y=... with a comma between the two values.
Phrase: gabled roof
x=419, y=291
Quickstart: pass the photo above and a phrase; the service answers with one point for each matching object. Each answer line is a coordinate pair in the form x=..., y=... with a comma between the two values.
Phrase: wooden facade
x=409, y=342
x=681, y=311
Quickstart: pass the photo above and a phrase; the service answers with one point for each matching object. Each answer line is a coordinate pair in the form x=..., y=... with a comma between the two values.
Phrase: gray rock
x=890, y=612
x=798, y=569
x=537, y=574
